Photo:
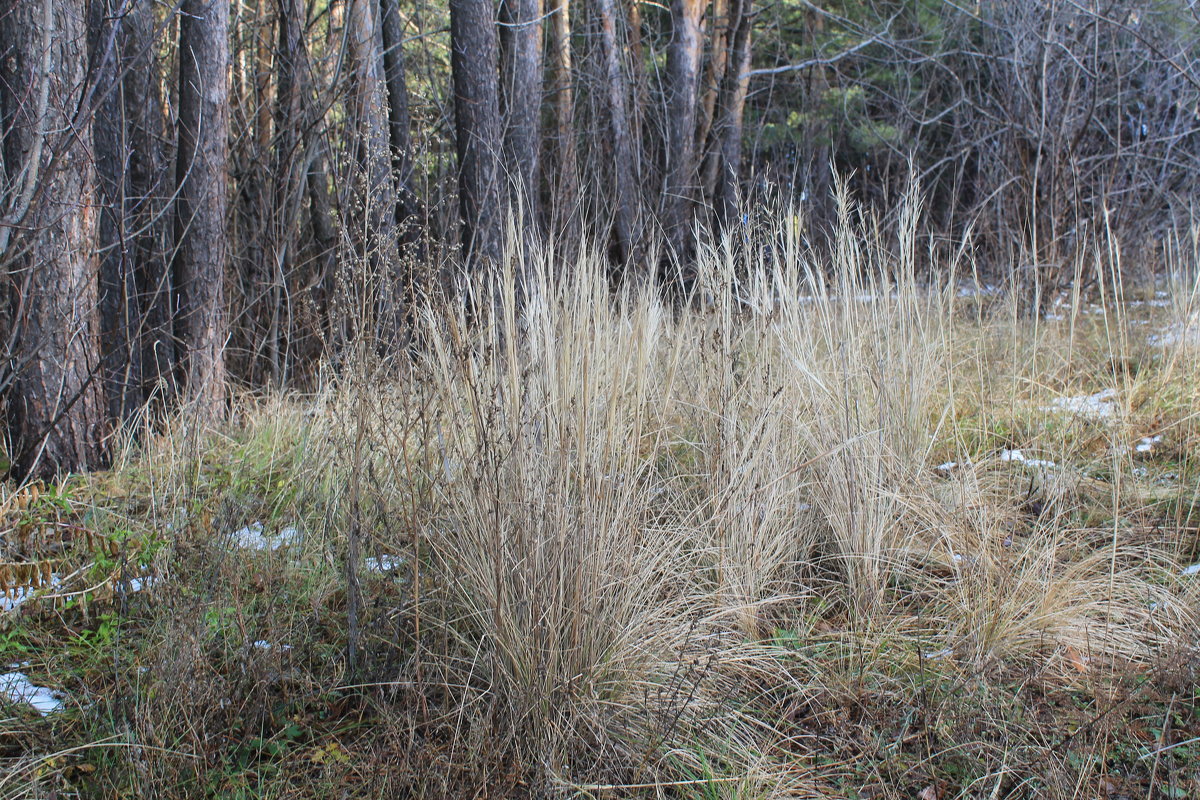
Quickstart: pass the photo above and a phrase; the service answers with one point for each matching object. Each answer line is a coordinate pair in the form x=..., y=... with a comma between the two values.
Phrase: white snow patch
x=385, y=563
x=1181, y=333
x=22, y=594
x=986, y=290
x=263, y=644
x=1148, y=443
x=949, y=651
x=253, y=537
x=17, y=687
x=1194, y=569
x=1018, y=456
x=1101, y=405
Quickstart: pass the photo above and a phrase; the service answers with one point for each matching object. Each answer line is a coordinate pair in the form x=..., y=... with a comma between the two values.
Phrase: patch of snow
x=138, y=584
x=1018, y=456
x=253, y=537
x=263, y=644
x=1055, y=317
x=986, y=290
x=1194, y=569
x=1101, y=405
x=1148, y=443
x=1156, y=303
x=1182, y=333
x=385, y=563
x=17, y=687
x=949, y=651
x=22, y=594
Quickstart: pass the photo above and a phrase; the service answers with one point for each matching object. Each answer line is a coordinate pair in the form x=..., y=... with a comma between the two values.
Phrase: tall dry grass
x=643, y=547
x=623, y=501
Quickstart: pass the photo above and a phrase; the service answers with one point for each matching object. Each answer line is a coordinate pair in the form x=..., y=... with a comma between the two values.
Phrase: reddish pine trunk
x=565, y=214
x=683, y=78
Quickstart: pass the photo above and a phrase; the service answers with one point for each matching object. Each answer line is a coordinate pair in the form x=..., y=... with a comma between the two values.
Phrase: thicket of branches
x=201, y=188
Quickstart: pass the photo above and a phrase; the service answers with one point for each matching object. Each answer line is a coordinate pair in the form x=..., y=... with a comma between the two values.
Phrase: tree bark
x=408, y=207
x=726, y=152
x=55, y=407
x=128, y=135
x=118, y=303
x=724, y=23
x=565, y=220
x=202, y=202
x=477, y=129
x=625, y=187
x=288, y=169
x=370, y=114
x=148, y=184
x=521, y=102
x=683, y=77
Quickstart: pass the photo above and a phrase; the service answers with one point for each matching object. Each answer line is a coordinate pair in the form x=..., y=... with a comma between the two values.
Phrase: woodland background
x=201, y=194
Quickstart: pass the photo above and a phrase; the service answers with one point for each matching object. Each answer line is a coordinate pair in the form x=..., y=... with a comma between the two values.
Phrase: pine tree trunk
x=723, y=25
x=202, y=178
x=146, y=196
x=625, y=187
x=723, y=165
x=521, y=102
x=477, y=129
x=120, y=311
x=370, y=114
x=565, y=220
x=683, y=78
x=55, y=409
x=408, y=208
x=134, y=237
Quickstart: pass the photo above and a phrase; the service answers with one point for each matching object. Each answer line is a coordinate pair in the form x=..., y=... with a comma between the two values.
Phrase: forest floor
x=845, y=539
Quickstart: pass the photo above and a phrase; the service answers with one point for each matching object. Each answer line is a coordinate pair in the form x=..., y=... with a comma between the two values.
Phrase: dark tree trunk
x=147, y=190
x=625, y=187
x=119, y=306
x=202, y=177
x=370, y=114
x=477, y=129
x=726, y=148
x=55, y=408
x=521, y=102
x=288, y=177
x=128, y=135
x=683, y=78
x=408, y=208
